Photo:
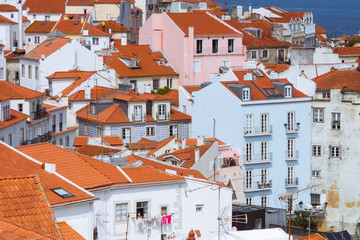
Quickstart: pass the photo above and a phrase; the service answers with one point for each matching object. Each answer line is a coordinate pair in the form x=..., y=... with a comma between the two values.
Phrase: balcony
x=257, y=159
x=39, y=139
x=139, y=117
x=264, y=185
x=294, y=128
x=260, y=186
x=163, y=117
x=220, y=51
x=38, y=114
x=291, y=182
x=291, y=155
x=257, y=131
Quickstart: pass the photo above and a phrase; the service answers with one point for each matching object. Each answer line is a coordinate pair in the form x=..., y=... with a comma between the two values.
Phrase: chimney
x=110, y=30
x=276, y=31
x=250, y=9
x=183, y=143
x=197, y=155
x=248, y=76
x=20, y=25
x=82, y=20
x=49, y=167
x=87, y=91
x=200, y=141
x=147, y=88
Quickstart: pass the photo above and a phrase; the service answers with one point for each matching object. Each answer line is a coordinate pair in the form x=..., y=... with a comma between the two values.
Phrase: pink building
x=196, y=43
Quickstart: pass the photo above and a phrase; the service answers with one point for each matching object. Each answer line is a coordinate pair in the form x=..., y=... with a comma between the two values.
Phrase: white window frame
x=119, y=216
x=147, y=212
x=252, y=56
x=197, y=66
x=264, y=175
x=138, y=113
x=124, y=137
x=249, y=200
x=264, y=200
x=267, y=53
x=335, y=152
x=249, y=124
x=318, y=115
x=231, y=47
x=36, y=72
x=216, y=48
x=201, y=48
x=287, y=91
x=86, y=128
x=291, y=148
x=171, y=130
x=99, y=131
x=315, y=173
x=326, y=95
x=290, y=121
x=264, y=145
x=249, y=151
x=151, y=133
x=169, y=82
x=30, y=71
x=37, y=39
x=264, y=127
x=336, y=120
x=246, y=94
x=225, y=63
x=162, y=112
x=290, y=173
x=316, y=150
x=249, y=179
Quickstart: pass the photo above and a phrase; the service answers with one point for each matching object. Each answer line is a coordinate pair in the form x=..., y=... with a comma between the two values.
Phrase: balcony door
x=126, y=135
x=137, y=113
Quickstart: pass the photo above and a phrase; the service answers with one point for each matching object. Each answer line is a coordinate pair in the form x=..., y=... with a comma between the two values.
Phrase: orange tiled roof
x=284, y=16
x=315, y=236
x=320, y=38
x=113, y=114
x=97, y=92
x=6, y=20
x=147, y=65
x=45, y=6
x=7, y=8
x=94, y=31
x=279, y=68
x=40, y=27
x=51, y=108
x=204, y=23
x=114, y=141
x=143, y=144
x=80, y=76
x=90, y=173
x=23, y=200
x=112, y=1
x=19, y=165
x=47, y=47
x=348, y=80
x=188, y=154
x=163, y=166
x=68, y=232
x=15, y=117
x=15, y=91
x=174, y=95
x=320, y=30
x=113, y=25
x=347, y=51
x=65, y=131
x=153, y=175
x=193, y=141
x=4, y=97
x=161, y=144
x=131, y=97
x=191, y=88
x=72, y=23
x=92, y=151
x=80, y=3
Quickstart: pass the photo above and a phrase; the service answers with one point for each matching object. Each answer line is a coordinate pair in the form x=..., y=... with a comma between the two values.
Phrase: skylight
x=62, y=193
x=257, y=72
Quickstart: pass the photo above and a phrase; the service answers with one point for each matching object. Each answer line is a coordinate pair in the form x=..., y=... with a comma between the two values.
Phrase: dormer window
x=246, y=94
x=288, y=92
x=161, y=112
x=92, y=109
x=6, y=112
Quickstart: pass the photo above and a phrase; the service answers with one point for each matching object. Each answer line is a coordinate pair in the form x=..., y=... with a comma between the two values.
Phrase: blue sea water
x=337, y=16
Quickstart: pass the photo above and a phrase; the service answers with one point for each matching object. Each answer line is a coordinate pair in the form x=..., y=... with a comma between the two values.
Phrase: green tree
x=162, y=91
x=302, y=220
x=353, y=40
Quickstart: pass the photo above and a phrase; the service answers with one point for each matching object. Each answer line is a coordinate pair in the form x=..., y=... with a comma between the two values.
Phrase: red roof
x=14, y=118
x=320, y=30
x=65, y=131
x=45, y=6
x=152, y=175
x=347, y=51
x=68, y=232
x=315, y=236
x=174, y=95
x=7, y=8
x=161, y=144
x=48, y=47
x=72, y=23
x=52, y=108
x=163, y=166
x=193, y=141
x=40, y=27
x=146, y=62
x=97, y=92
x=113, y=25
x=191, y=88
x=94, y=31
x=6, y=20
x=143, y=144
x=204, y=24
x=112, y=1
x=114, y=141
x=80, y=3
x=92, y=151
x=348, y=80
x=279, y=68
x=19, y=165
x=111, y=115
x=15, y=91
x=285, y=16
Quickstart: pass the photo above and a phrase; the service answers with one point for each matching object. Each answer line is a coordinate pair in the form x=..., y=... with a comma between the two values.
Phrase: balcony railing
x=292, y=128
x=38, y=114
x=162, y=117
x=291, y=182
x=139, y=118
x=291, y=155
x=264, y=185
x=39, y=139
x=259, y=186
x=220, y=51
x=257, y=131
x=257, y=158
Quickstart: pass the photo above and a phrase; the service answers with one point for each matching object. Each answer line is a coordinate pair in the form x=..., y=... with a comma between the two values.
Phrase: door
x=126, y=135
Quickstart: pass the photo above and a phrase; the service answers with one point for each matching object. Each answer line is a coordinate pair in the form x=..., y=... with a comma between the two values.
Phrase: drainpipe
x=20, y=44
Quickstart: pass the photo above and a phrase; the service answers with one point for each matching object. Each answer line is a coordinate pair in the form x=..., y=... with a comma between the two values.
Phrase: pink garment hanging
x=168, y=218
x=163, y=221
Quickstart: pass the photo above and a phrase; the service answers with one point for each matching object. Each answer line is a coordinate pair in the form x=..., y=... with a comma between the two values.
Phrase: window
x=86, y=129
x=137, y=113
x=11, y=15
x=174, y=162
x=246, y=94
x=197, y=67
x=230, y=45
x=30, y=71
x=264, y=177
x=264, y=150
x=326, y=95
x=126, y=134
x=61, y=142
x=264, y=200
x=335, y=120
x=265, y=53
x=215, y=46
x=62, y=192
x=164, y=211
x=281, y=55
x=85, y=11
x=264, y=122
x=174, y=131
x=121, y=212
x=142, y=210
x=335, y=152
x=249, y=121
x=249, y=151
x=22, y=136
x=1, y=72
x=290, y=175
x=315, y=173
x=315, y=199
x=253, y=54
x=161, y=111
x=318, y=115
x=249, y=179
x=150, y=131
x=10, y=140
x=36, y=39
x=199, y=207
x=290, y=148
x=155, y=84
x=6, y=113
x=29, y=40
x=134, y=85
x=290, y=126
x=184, y=109
x=67, y=141
x=93, y=108
x=99, y=131
x=22, y=70
x=60, y=122
x=316, y=150
x=287, y=92
x=95, y=41
x=199, y=46
x=169, y=82
x=47, y=18
x=37, y=73
x=258, y=223
x=225, y=63
x=249, y=200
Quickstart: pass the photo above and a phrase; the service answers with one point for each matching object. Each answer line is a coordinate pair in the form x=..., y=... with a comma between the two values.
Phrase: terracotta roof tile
x=4, y=97
x=193, y=141
x=279, y=68
x=315, y=236
x=6, y=20
x=68, y=232
x=18, y=165
x=320, y=30
x=45, y=6
x=47, y=48
x=72, y=23
x=23, y=200
x=53, y=108
x=90, y=173
x=114, y=141
x=15, y=117
x=93, y=151
x=143, y=144
x=80, y=3
x=348, y=80
x=347, y=51
x=191, y=88
x=113, y=114
x=94, y=31
x=97, y=92
x=204, y=23
x=18, y=92
x=65, y=131
x=161, y=144
x=111, y=1
x=7, y=8
x=176, y=115
x=113, y=25
x=147, y=65
x=174, y=96
x=152, y=175
x=40, y=27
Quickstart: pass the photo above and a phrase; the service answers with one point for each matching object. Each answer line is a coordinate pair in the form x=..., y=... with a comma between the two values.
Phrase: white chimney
x=110, y=30
x=49, y=167
x=200, y=141
x=123, y=41
x=239, y=11
x=248, y=76
x=147, y=88
x=197, y=155
x=85, y=32
x=87, y=91
x=183, y=143
x=273, y=75
x=20, y=24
